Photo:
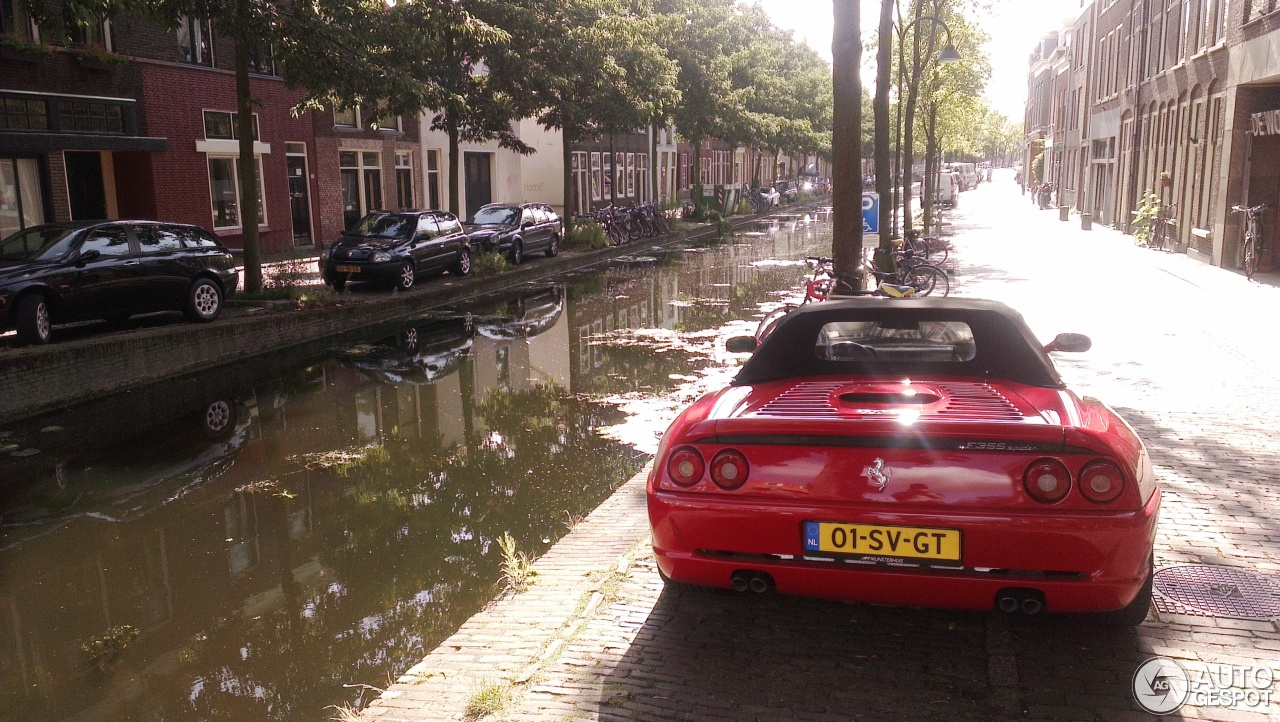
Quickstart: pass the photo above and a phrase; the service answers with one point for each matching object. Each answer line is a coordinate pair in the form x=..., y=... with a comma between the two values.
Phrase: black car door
x=426, y=244
x=165, y=267
x=452, y=239
x=105, y=284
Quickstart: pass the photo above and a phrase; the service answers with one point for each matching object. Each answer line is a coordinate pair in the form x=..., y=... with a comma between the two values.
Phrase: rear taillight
x=729, y=469
x=1101, y=481
x=685, y=466
x=1047, y=481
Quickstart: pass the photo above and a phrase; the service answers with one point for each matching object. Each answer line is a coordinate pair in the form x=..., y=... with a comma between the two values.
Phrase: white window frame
x=407, y=158
x=360, y=169
x=198, y=28
x=430, y=175
x=262, y=191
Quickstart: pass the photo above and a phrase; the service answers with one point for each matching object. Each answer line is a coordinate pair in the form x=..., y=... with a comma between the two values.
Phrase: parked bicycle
x=1162, y=225
x=933, y=249
x=1254, y=244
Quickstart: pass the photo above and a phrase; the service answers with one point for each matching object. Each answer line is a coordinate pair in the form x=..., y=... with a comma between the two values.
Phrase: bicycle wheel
x=617, y=236
x=660, y=224
x=1249, y=256
x=770, y=319
x=634, y=231
x=1157, y=237
x=936, y=250
x=927, y=280
x=646, y=228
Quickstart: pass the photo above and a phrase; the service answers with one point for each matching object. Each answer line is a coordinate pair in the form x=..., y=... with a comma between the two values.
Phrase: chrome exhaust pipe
x=1007, y=603
x=739, y=582
x=758, y=584
x=1032, y=606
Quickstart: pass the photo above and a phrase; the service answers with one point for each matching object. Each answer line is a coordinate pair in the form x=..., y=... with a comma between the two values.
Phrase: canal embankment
x=38, y=379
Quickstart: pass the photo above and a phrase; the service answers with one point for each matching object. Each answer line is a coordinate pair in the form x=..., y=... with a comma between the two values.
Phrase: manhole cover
x=1212, y=591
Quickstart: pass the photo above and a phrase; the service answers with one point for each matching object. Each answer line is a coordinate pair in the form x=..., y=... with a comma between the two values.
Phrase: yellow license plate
x=874, y=540
x=348, y=269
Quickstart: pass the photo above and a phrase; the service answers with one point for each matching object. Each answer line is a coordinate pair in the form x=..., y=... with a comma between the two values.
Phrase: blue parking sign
x=870, y=212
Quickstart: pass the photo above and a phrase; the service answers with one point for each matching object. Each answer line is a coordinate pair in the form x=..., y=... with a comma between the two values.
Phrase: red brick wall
x=173, y=100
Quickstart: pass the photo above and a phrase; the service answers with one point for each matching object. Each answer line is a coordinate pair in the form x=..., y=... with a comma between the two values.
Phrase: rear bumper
x=1079, y=562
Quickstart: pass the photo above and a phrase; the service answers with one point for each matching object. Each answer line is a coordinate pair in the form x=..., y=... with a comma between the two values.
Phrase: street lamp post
x=949, y=54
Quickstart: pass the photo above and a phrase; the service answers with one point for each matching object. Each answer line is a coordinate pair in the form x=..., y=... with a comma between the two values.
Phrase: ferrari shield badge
x=878, y=474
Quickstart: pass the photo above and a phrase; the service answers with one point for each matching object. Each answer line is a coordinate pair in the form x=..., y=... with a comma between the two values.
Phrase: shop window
x=22, y=201
x=224, y=191
x=221, y=125
x=195, y=41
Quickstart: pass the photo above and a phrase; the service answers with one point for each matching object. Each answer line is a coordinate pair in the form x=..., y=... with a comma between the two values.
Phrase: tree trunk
x=908, y=125
x=931, y=168
x=846, y=143
x=451, y=127
x=566, y=157
x=884, y=176
x=248, y=162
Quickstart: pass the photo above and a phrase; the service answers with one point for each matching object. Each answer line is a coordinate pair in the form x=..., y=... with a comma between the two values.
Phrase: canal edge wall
x=505, y=645
x=37, y=379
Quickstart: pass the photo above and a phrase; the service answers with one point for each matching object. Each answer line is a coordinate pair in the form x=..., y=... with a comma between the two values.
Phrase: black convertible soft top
x=1005, y=347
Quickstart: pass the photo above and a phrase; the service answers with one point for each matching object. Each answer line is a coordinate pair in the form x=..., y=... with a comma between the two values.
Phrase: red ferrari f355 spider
x=918, y=452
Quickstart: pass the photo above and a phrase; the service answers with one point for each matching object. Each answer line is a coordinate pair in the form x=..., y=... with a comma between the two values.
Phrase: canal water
x=278, y=539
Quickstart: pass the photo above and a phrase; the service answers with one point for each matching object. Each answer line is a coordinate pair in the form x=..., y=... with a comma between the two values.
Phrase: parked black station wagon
x=397, y=246
x=63, y=272
x=516, y=230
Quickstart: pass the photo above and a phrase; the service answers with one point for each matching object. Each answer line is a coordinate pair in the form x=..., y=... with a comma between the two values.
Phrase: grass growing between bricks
x=490, y=699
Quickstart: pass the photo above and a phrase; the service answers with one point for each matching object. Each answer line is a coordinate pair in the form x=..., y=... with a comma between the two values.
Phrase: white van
x=947, y=192
x=969, y=178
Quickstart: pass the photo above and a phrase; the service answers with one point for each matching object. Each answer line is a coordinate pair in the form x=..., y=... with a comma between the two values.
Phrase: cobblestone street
x=1186, y=352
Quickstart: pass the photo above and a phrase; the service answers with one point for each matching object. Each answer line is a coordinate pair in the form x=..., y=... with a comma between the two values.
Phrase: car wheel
x=407, y=276
x=517, y=253
x=1136, y=613
x=338, y=284
x=219, y=420
x=553, y=247
x=463, y=266
x=204, y=300
x=34, y=321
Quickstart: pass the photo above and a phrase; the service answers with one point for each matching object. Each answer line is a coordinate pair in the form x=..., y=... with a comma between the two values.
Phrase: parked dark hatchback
x=516, y=230
x=62, y=272
x=397, y=247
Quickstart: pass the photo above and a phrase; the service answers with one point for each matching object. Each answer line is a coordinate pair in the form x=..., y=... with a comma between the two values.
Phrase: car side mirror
x=1069, y=343
x=527, y=224
x=742, y=344
x=87, y=256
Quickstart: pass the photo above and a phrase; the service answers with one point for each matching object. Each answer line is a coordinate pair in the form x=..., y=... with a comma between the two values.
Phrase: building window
x=262, y=60
x=595, y=176
x=21, y=195
x=83, y=34
x=346, y=117
x=24, y=114
x=631, y=174
x=433, y=179
x=87, y=116
x=581, y=180
x=195, y=41
x=607, y=189
x=224, y=191
x=646, y=184
x=404, y=180
x=361, y=176
x=620, y=173
x=15, y=20
x=221, y=125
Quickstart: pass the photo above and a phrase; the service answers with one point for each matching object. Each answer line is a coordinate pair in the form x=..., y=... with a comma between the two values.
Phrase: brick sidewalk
x=1186, y=352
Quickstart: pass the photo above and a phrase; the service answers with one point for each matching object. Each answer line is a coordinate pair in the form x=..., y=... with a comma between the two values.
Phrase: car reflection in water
x=424, y=352
x=74, y=464
x=526, y=316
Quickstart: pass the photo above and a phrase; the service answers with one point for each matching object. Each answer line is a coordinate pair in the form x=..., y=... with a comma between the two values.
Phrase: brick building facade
x=1178, y=98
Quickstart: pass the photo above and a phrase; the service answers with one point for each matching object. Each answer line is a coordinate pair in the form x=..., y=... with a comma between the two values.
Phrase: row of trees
x=586, y=68
x=917, y=98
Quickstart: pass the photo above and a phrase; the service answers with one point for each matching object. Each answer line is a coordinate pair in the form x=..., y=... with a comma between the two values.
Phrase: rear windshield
x=41, y=243
x=910, y=341
x=385, y=225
